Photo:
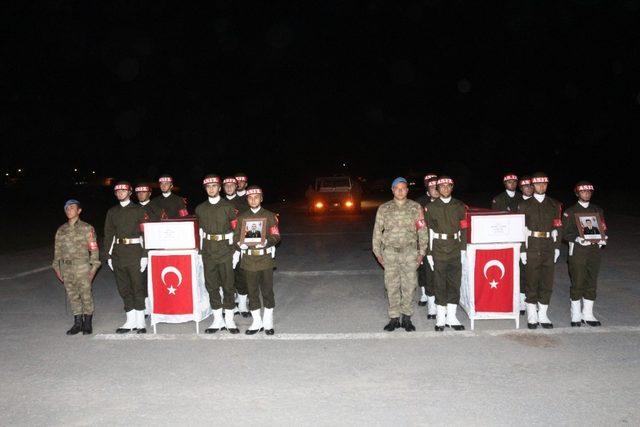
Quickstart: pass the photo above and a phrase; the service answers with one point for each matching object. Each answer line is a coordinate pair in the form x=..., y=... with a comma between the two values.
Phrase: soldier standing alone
x=584, y=256
x=541, y=250
x=399, y=244
x=75, y=262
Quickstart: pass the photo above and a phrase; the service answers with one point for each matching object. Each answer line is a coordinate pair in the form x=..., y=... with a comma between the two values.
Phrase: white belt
x=219, y=237
x=126, y=241
x=258, y=252
x=442, y=236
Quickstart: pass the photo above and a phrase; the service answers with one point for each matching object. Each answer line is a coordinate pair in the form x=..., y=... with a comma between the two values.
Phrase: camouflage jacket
x=399, y=225
x=76, y=242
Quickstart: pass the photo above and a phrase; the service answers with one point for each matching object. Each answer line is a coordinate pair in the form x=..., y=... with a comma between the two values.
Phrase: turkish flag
x=494, y=280
x=171, y=277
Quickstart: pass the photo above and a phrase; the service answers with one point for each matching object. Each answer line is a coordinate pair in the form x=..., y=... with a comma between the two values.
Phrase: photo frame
x=590, y=226
x=253, y=231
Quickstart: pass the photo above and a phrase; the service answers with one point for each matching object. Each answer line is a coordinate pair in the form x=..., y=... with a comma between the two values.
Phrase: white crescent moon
x=494, y=262
x=171, y=269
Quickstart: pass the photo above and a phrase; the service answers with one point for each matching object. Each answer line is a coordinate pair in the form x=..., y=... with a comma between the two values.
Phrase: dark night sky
x=283, y=90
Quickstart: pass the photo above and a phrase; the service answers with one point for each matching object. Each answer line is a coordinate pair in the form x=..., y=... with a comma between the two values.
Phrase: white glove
x=236, y=258
x=582, y=241
x=523, y=258
x=261, y=245
x=110, y=264
x=601, y=243
x=554, y=234
x=143, y=264
x=430, y=261
x=244, y=247
x=463, y=257
x=556, y=255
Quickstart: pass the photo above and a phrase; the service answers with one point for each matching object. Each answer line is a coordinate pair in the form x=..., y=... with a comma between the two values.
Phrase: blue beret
x=397, y=181
x=71, y=202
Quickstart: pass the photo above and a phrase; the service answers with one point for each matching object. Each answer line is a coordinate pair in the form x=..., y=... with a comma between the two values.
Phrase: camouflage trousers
x=78, y=287
x=584, y=267
x=400, y=279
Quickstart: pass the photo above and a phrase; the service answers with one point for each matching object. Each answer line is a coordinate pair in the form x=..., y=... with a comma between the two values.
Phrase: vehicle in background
x=334, y=194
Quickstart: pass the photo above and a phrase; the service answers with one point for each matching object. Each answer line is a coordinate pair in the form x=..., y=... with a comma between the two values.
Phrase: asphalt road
x=329, y=363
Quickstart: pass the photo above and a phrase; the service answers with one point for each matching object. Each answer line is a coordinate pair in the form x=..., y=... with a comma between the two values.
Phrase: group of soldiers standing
x=434, y=229
x=236, y=276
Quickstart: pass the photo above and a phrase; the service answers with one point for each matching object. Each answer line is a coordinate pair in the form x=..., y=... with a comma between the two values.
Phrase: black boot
x=406, y=323
x=77, y=325
x=87, y=327
x=392, y=325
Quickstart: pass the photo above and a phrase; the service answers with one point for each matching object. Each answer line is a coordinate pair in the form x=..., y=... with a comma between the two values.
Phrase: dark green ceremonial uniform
x=172, y=206
x=240, y=281
x=504, y=202
x=258, y=264
x=541, y=219
x=584, y=261
x=76, y=256
x=121, y=225
x=426, y=276
x=447, y=220
x=239, y=202
x=153, y=211
x=217, y=222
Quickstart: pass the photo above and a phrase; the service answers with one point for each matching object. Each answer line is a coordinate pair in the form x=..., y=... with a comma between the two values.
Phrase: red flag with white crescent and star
x=172, y=284
x=494, y=280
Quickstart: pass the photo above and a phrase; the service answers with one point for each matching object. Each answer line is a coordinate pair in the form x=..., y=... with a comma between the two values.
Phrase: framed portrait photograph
x=253, y=231
x=590, y=226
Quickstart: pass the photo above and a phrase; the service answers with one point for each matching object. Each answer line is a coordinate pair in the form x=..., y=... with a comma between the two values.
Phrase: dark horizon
x=287, y=91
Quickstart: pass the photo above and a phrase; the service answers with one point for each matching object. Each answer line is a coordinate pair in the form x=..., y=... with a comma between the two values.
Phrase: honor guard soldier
x=541, y=249
x=507, y=200
x=446, y=218
x=526, y=188
x=143, y=193
x=75, y=262
x=258, y=262
x=171, y=205
x=584, y=256
x=127, y=256
x=230, y=186
x=399, y=244
x=425, y=274
x=217, y=220
x=243, y=181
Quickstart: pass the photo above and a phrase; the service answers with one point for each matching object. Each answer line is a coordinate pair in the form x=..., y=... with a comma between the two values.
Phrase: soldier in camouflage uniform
x=507, y=200
x=170, y=204
x=217, y=220
x=446, y=219
x=526, y=188
x=258, y=262
x=426, y=278
x=230, y=186
x=127, y=256
x=399, y=244
x=541, y=249
x=584, y=256
x=75, y=262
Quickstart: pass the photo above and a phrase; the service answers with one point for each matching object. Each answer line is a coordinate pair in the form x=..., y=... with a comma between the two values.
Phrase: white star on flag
x=494, y=284
x=172, y=290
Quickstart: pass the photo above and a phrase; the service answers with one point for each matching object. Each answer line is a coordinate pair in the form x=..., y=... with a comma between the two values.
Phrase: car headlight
x=319, y=205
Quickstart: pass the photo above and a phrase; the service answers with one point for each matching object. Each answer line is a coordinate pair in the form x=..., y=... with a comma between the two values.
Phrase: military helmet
x=584, y=186
x=211, y=179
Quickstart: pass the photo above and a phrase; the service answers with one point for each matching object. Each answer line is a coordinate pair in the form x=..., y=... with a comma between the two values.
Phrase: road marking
x=359, y=336
x=27, y=273
x=328, y=273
